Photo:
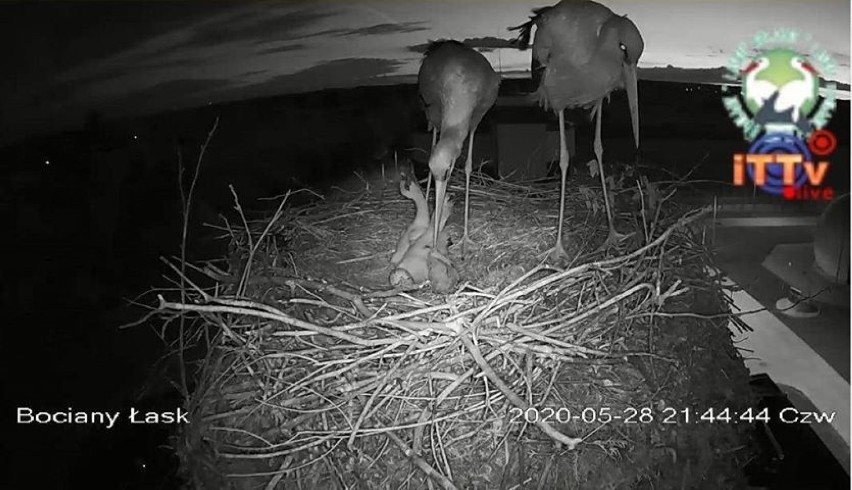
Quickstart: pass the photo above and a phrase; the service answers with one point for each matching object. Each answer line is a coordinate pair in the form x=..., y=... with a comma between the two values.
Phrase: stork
x=796, y=93
x=757, y=90
x=583, y=52
x=458, y=86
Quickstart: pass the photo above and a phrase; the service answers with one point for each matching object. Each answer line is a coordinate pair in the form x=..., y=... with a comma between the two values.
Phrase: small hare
x=414, y=261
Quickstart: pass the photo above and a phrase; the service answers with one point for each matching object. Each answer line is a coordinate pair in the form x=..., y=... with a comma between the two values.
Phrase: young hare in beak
x=415, y=261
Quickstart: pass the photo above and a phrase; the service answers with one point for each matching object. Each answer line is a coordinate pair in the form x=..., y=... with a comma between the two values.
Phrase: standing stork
x=757, y=90
x=458, y=86
x=582, y=52
x=795, y=94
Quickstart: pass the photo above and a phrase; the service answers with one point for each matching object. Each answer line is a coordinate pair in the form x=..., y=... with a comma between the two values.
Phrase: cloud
x=183, y=61
x=373, y=30
x=258, y=26
x=383, y=29
x=333, y=74
x=252, y=73
x=281, y=49
x=485, y=44
x=52, y=37
x=265, y=31
x=176, y=50
x=489, y=43
x=265, y=27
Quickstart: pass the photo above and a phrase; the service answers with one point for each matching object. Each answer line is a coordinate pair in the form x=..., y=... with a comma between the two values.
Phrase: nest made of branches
x=572, y=375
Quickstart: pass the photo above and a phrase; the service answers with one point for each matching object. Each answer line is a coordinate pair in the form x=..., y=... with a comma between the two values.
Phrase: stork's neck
x=446, y=151
x=751, y=77
x=452, y=138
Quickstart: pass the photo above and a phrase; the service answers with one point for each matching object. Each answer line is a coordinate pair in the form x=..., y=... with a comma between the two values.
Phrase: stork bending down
x=457, y=86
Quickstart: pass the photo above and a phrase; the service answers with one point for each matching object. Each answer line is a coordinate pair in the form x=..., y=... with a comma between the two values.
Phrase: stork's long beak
x=632, y=98
x=440, y=191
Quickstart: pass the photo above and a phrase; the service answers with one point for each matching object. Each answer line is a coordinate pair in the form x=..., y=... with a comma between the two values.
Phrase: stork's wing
x=429, y=85
x=569, y=30
x=537, y=72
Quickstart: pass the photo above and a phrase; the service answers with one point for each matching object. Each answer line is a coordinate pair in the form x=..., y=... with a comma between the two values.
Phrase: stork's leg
x=558, y=251
x=468, y=169
x=613, y=236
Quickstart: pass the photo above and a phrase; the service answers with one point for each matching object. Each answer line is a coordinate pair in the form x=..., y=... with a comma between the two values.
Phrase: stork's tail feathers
x=522, y=42
x=525, y=30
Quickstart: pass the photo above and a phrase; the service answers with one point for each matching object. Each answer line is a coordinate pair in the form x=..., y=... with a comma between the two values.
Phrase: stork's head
x=803, y=66
x=622, y=40
x=624, y=34
x=756, y=65
x=442, y=158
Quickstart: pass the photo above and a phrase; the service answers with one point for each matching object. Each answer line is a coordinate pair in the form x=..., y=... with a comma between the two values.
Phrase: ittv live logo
x=783, y=114
x=796, y=175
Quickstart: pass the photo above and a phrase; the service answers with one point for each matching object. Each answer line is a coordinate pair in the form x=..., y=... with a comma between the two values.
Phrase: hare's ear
x=406, y=175
x=404, y=180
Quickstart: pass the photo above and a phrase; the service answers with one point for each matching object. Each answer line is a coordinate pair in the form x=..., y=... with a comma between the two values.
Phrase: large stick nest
x=318, y=376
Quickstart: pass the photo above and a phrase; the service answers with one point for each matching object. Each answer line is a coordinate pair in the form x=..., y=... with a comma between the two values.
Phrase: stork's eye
x=622, y=47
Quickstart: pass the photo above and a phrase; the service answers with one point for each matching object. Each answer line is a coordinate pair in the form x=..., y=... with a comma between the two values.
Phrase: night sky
x=65, y=59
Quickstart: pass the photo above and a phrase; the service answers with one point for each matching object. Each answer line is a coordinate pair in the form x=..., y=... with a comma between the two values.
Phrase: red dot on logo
x=789, y=193
x=822, y=142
